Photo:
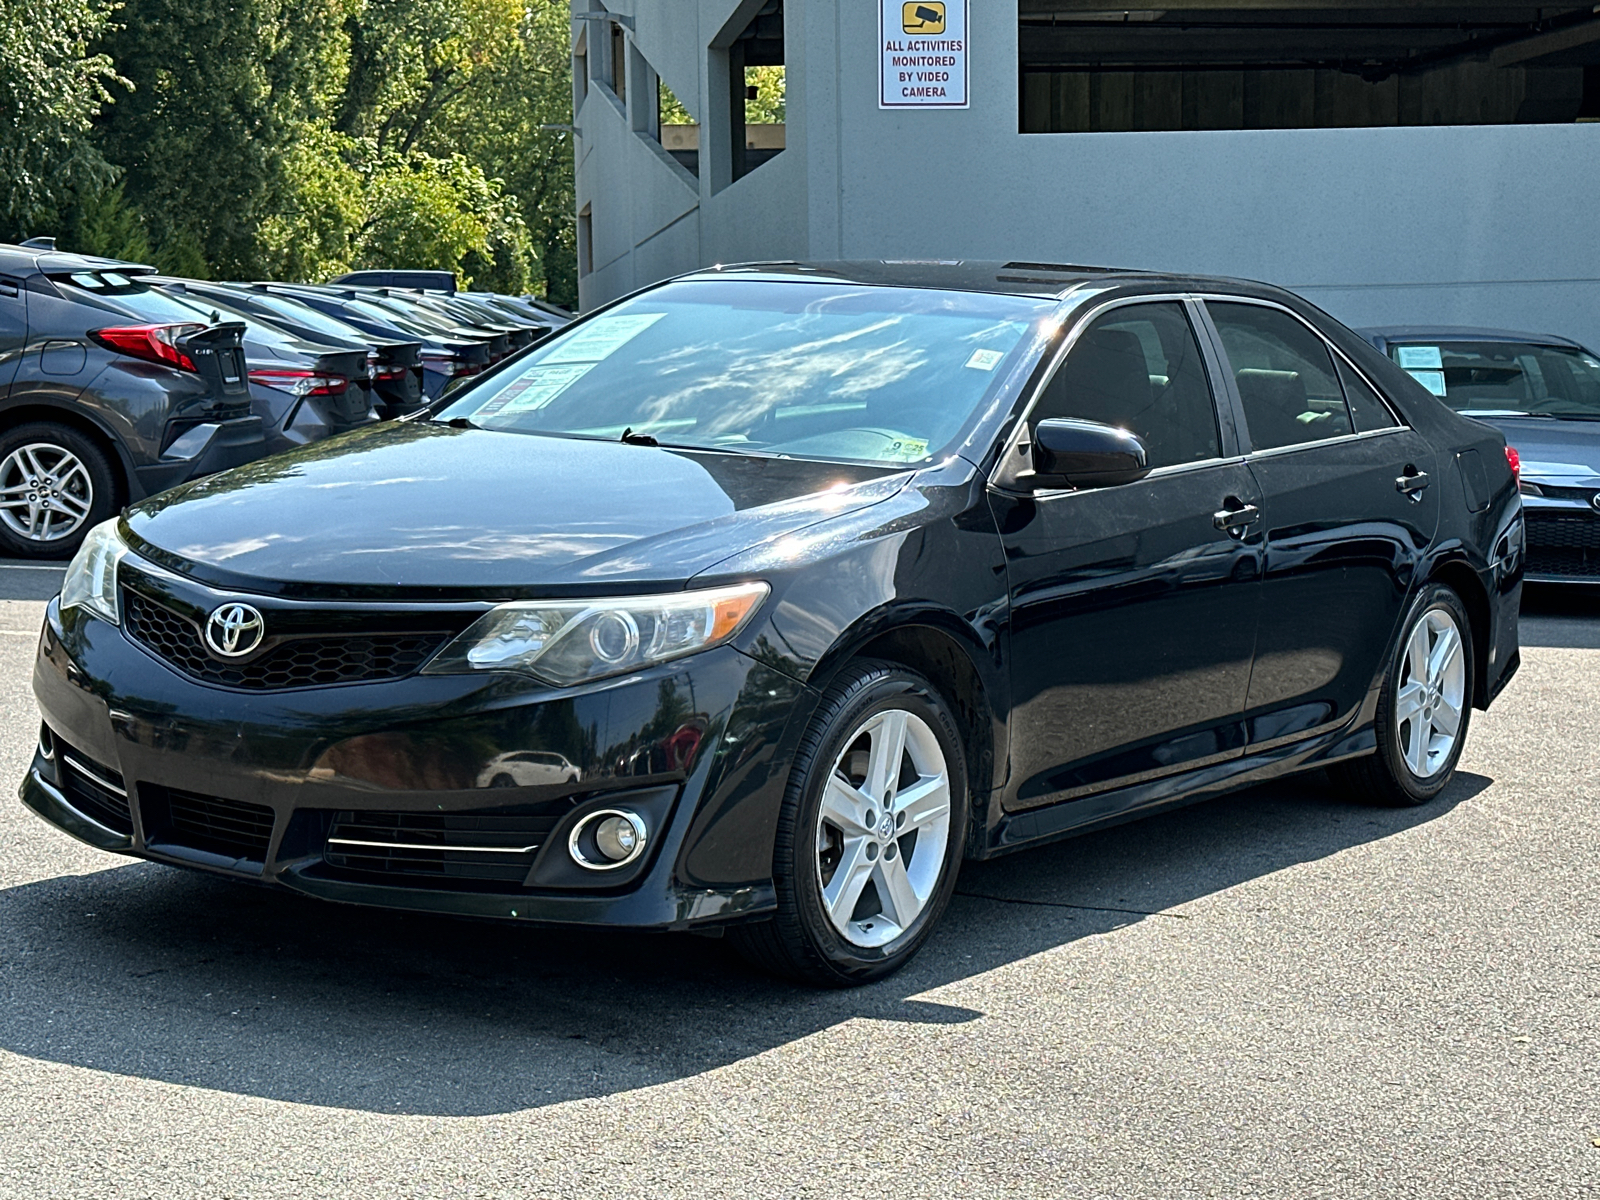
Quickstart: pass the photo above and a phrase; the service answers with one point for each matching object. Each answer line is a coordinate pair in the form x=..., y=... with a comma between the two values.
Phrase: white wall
x=1491, y=225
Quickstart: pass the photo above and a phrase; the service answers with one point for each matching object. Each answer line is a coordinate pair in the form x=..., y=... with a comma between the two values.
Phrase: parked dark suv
x=100, y=407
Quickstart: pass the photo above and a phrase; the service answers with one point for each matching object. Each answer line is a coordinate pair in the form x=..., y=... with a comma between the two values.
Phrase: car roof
x=1014, y=278
x=1462, y=333
x=24, y=260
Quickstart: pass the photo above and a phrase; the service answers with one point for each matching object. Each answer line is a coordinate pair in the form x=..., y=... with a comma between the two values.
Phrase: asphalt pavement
x=1275, y=994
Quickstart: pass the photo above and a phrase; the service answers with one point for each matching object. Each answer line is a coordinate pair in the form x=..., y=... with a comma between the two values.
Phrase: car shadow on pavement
x=157, y=973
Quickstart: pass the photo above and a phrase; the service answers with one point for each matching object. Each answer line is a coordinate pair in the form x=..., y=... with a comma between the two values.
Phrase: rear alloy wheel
x=870, y=837
x=1424, y=708
x=55, y=484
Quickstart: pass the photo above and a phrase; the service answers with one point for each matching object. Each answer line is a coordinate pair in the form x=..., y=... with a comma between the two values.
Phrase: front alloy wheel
x=870, y=834
x=883, y=828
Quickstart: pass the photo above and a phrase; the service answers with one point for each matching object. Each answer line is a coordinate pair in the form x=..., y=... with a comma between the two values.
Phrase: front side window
x=1138, y=367
x=1285, y=375
x=1490, y=378
x=884, y=375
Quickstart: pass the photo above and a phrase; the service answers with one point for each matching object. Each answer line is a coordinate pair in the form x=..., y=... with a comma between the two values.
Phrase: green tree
x=500, y=125
x=51, y=88
x=221, y=90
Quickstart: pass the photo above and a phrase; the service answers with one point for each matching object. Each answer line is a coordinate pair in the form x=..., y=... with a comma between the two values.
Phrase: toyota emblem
x=1595, y=499
x=234, y=630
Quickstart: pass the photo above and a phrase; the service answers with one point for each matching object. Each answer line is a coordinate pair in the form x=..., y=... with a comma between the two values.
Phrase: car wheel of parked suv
x=871, y=833
x=1424, y=708
x=55, y=484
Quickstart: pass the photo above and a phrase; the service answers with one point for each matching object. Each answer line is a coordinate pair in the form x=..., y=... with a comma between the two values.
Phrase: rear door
x=1133, y=608
x=1349, y=507
x=13, y=329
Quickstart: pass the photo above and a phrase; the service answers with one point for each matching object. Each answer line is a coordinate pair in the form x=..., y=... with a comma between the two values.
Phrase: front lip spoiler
x=47, y=801
x=692, y=907
x=684, y=909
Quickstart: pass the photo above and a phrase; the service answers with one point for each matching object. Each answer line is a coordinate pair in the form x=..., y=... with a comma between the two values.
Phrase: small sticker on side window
x=985, y=360
x=1420, y=358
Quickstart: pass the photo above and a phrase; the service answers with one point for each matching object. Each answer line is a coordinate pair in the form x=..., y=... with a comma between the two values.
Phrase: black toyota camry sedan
x=759, y=600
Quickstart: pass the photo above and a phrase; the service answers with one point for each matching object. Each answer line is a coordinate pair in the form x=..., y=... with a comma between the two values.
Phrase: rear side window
x=1285, y=375
x=1139, y=367
x=1367, y=408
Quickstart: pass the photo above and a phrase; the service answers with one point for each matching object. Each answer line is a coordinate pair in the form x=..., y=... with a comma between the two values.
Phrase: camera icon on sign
x=922, y=16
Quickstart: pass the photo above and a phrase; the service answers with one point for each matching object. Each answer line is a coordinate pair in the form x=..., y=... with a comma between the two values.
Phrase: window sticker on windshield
x=1432, y=380
x=1420, y=358
x=985, y=360
x=906, y=449
x=538, y=385
x=601, y=338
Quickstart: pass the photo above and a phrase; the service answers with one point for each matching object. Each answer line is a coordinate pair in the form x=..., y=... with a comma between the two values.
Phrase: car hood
x=1552, y=449
x=425, y=510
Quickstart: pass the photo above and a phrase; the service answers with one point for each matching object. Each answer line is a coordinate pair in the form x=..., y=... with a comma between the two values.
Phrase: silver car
x=1543, y=393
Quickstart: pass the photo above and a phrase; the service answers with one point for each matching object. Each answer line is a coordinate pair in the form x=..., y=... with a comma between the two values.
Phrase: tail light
x=449, y=364
x=301, y=383
x=1514, y=461
x=153, y=343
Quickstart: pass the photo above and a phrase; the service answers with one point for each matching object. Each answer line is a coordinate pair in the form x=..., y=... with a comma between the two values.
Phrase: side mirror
x=1086, y=453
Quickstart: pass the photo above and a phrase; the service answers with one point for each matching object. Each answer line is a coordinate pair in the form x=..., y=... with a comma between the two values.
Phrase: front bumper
x=140, y=759
x=1563, y=533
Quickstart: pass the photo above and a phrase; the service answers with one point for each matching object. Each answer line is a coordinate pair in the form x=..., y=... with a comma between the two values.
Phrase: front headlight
x=91, y=581
x=564, y=642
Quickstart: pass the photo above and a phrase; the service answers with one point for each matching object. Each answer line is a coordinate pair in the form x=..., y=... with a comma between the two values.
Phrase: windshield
x=882, y=375
x=1488, y=378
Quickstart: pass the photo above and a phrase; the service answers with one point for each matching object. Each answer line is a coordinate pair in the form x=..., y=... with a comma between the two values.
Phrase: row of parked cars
x=117, y=382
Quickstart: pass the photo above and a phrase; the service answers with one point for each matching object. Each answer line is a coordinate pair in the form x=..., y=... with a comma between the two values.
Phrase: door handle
x=1412, y=482
x=1230, y=519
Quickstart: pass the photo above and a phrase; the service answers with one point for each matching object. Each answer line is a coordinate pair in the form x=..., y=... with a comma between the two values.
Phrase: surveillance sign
x=923, y=54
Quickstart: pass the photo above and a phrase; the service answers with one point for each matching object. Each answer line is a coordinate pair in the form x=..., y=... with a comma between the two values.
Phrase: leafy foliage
x=294, y=139
x=51, y=88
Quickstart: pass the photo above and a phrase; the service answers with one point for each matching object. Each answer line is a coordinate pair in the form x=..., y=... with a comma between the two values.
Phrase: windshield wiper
x=460, y=423
x=636, y=439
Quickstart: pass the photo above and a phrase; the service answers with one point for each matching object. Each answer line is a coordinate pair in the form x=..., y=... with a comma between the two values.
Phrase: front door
x=1133, y=608
x=1349, y=508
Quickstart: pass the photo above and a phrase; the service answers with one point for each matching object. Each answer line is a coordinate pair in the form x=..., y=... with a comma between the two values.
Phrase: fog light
x=617, y=838
x=607, y=839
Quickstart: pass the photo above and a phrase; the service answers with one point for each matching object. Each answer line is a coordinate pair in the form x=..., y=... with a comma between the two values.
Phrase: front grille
x=1566, y=545
x=1565, y=531
x=295, y=663
x=94, y=789
x=232, y=828
x=444, y=849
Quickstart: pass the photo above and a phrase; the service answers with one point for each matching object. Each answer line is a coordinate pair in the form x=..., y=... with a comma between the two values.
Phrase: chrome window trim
x=1157, y=473
x=1342, y=439
x=1088, y=317
x=1400, y=422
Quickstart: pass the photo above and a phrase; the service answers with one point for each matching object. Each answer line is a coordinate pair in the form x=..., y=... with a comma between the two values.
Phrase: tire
x=47, y=470
x=1412, y=764
x=855, y=904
